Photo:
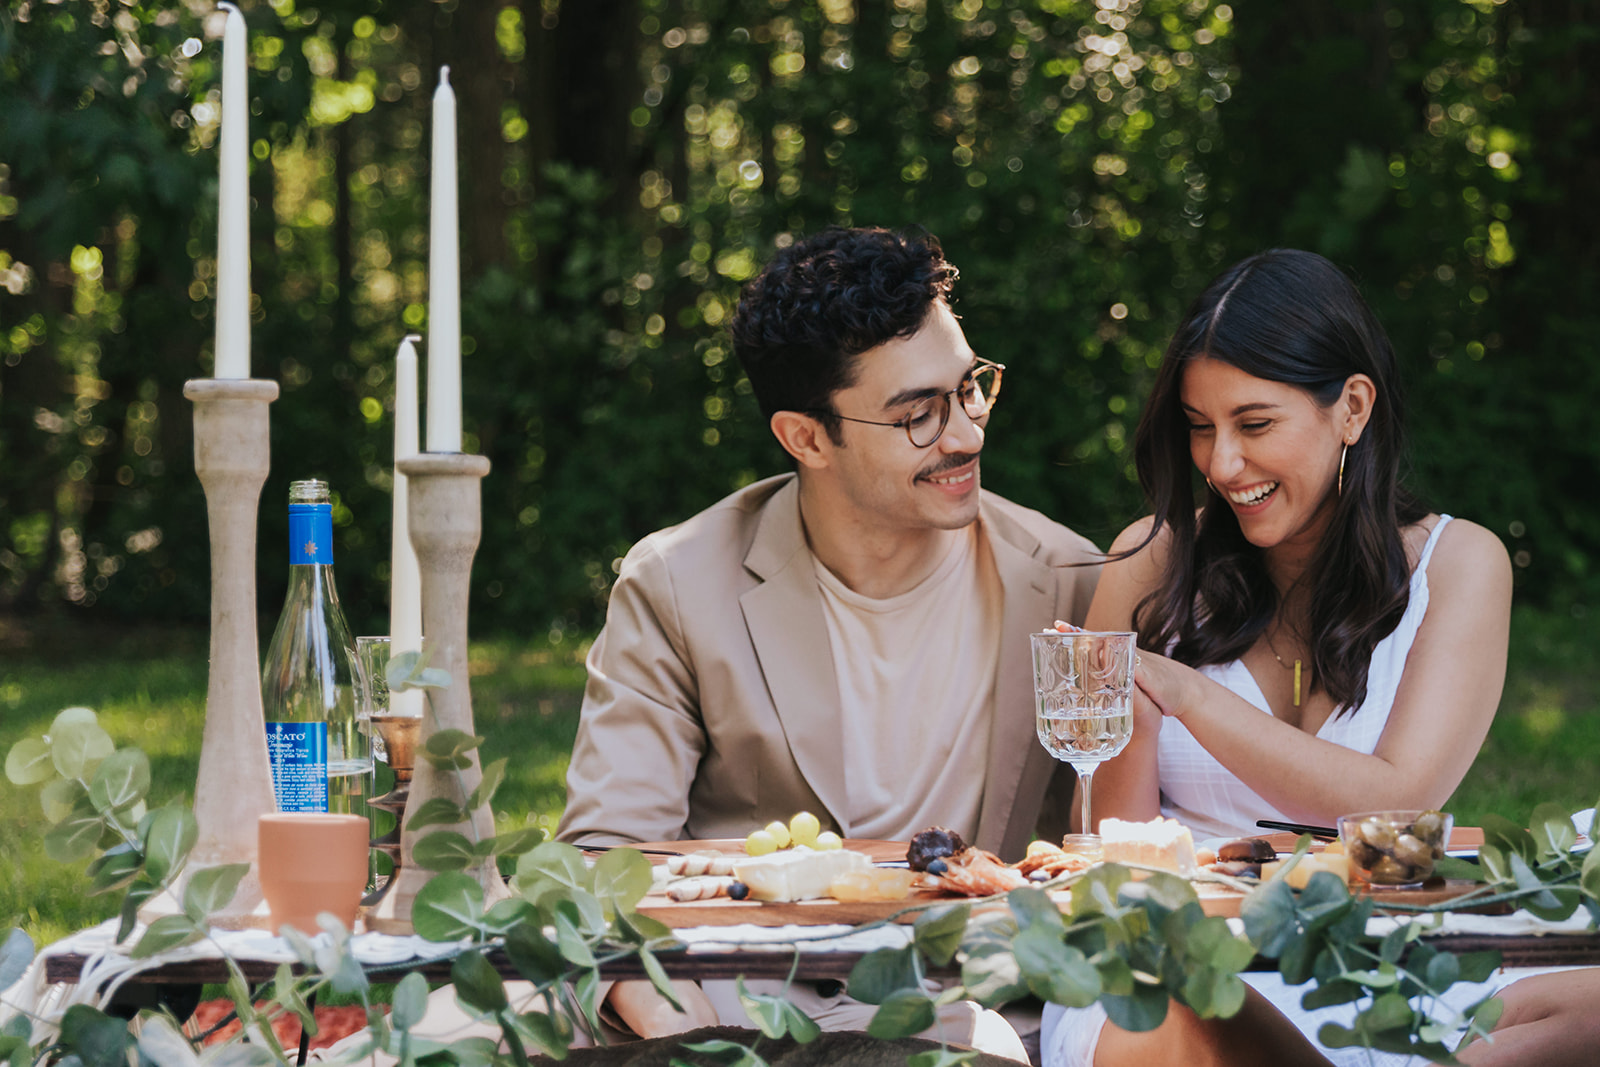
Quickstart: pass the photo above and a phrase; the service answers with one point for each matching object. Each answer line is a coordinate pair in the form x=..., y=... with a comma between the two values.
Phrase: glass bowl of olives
x=1395, y=849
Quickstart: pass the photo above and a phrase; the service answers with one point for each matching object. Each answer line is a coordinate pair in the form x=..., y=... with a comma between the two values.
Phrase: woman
x=1330, y=646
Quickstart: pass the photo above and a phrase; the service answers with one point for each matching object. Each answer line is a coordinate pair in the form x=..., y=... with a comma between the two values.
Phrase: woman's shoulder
x=1465, y=555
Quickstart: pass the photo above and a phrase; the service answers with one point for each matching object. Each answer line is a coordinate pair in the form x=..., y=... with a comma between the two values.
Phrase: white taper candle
x=405, y=577
x=444, y=280
x=232, y=355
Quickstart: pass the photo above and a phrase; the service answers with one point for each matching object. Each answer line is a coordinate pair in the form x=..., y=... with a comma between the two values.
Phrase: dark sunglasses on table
x=925, y=422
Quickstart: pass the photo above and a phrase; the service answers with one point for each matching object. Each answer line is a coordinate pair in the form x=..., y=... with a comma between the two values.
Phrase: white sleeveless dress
x=1205, y=796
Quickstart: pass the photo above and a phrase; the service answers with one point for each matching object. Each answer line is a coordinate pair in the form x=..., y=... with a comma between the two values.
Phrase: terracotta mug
x=312, y=862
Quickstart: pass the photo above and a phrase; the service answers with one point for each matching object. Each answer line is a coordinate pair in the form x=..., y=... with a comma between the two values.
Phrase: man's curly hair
x=825, y=300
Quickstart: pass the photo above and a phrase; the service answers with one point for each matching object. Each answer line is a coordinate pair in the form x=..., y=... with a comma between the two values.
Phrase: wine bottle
x=321, y=754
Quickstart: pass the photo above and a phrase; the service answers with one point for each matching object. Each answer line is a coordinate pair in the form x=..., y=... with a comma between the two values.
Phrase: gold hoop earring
x=1342, y=453
x=1211, y=487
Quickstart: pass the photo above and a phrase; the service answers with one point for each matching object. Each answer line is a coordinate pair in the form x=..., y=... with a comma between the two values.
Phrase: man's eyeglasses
x=925, y=423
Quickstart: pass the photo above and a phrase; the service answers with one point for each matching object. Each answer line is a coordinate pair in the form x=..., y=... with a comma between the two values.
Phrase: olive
x=1411, y=849
x=1390, y=871
x=1363, y=855
x=1379, y=833
x=1429, y=827
x=738, y=890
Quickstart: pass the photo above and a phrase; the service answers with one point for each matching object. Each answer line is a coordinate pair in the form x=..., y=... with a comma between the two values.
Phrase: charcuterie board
x=1214, y=899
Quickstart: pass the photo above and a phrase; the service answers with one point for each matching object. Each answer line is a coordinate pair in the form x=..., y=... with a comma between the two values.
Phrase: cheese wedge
x=797, y=874
x=1163, y=843
x=1311, y=863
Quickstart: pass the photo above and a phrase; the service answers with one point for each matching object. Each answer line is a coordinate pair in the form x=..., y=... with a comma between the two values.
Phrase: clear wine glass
x=1083, y=685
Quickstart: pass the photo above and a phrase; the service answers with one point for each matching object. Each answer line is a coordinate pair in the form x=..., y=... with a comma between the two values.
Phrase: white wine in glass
x=1083, y=686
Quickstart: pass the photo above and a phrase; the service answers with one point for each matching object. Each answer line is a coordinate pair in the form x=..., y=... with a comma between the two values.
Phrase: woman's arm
x=1127, y=787
x=1446, y=700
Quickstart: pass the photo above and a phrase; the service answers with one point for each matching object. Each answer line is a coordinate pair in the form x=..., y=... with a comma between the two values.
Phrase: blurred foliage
x=626, y=166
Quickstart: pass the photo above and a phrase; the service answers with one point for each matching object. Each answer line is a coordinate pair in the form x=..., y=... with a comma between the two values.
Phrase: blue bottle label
x=299, y=755
x=310, y=534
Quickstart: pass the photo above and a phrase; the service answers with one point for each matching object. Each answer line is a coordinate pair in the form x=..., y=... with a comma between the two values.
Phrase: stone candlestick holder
x=446, y=521
x=232, y=453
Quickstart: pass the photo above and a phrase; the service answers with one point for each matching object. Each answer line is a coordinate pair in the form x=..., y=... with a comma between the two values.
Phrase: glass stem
x=1085, y=777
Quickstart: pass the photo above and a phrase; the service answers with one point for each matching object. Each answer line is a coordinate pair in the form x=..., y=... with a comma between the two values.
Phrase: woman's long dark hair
x=1292, y=317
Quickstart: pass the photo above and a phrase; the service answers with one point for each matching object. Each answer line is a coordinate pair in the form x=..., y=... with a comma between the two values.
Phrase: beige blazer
x=712, y=706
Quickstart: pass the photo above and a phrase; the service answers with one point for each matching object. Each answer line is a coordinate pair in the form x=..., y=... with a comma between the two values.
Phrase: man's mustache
x=949, y=463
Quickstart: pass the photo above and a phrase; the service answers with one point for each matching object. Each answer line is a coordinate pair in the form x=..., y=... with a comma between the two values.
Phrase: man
x=850, y=639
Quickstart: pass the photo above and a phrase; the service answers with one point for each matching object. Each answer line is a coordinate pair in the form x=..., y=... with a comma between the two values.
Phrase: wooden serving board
x=721, y=911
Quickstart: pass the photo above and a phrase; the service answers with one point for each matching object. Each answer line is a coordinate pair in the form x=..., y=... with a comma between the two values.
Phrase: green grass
x=149, y=688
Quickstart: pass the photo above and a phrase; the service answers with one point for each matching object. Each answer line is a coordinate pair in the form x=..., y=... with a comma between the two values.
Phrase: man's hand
x=649, y=1014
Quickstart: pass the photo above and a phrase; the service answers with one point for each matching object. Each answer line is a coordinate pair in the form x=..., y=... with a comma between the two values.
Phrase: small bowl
x=1395, y=849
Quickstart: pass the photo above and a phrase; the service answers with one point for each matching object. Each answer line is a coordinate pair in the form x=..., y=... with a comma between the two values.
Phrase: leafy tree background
x=627, y=164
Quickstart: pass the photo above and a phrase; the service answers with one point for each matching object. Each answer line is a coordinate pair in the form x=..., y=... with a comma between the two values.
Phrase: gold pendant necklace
x=1285, y=666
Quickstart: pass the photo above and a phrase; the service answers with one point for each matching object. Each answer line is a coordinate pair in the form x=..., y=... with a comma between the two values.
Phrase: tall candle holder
x=232, y=454
x=446, y=522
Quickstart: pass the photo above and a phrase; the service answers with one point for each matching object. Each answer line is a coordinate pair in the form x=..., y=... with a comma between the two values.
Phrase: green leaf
x=1033, y=906
x=211, y=888
x=447, y=749
x=802, y=1027
x=743, y=1056
x=991, y=975
x=335, y=960
x=1478, y=966
x=75, y=837
x=658, y=977
x=97, y=1039
x=552, y=863
x=443, y=850
x=437, y=811
x=493, y=775
x=285, y=990
x=477, y=983
x=60, y=797
x=121, y=780
x=902, y=1014
x=169, y=931
x=15, y=955
x=534, y=956
x=1501, y=833
x=28, y=762
x=621, y=878
x=765, y=1011
x=942, y=1057
x=1552, y=830
x=1269, y=920
x=1055, y=971
x=160, y=1043
x=516, y=842
x=506, y=915
x=587, y=992
x=409, y=1002
x=170, y=835
x=448, y=908
x=938, y=932
x=883, y=972
x=140, y=891
x=545, y=1031
x=115, y=869
x=571, y=943
x=1460, y=869
x=1142, y=1010
x=1545, y=902
x=410, y=670
x=77, y=748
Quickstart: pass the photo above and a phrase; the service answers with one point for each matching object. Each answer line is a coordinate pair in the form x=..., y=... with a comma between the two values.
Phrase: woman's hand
x=1165, y=684
x=649, y=1014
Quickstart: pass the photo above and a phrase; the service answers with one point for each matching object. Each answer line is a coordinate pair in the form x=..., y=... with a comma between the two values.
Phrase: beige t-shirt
x=916, y=683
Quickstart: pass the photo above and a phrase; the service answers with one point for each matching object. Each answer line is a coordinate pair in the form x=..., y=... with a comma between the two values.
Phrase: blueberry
x=738, y=891
x=1039, y=876
x=937, y=866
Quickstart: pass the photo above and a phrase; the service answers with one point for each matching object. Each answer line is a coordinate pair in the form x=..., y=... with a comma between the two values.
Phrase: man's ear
x=803, y=437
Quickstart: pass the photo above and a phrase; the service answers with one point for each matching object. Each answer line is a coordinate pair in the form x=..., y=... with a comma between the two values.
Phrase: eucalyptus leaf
x=75, y=837
x=140, y=891
x=1213, y=994
x=765, y=1011
x=1142, y=1010
x=621, y=878
x=1034, y=906
x=121, y=780
x=447, y=749
x=448, y=908
x=534, y=956
x=477, y=983
x=60, y=797
x=238, y=1054
x=165, y=933
x=1054, y=970
x=802, y=1027
x=409, y=1002
x=938, y=932
x=544, y=1032
x=743, y=1055
x=659, y=978
x=443, y=850
x=16, y=952
x=902, y=1014
x=506, y=915
x=943, y=1056
x=517, y=842
x=991, y=974
x=554, y=862
x=115, y=869
x=883, y=972
x=1268, y=915
x=77, y=748
x=169, y=836
x=586, y=990
x=29, y=763
x=211, y=888
x=286, y=991
x=571, y=943
x=1552, y=830
x=437, y=811
x=493, y=775
x=97, y=1039
x=162, y=1044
